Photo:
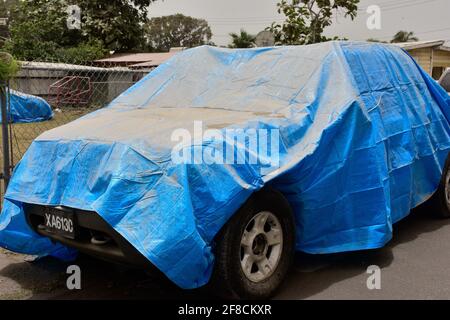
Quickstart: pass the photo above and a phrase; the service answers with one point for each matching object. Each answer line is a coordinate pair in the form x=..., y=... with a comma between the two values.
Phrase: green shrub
x=8, y=66
x=82, y=54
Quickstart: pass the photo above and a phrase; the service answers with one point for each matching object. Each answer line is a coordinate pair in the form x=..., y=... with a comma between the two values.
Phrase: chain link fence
x=46, y=95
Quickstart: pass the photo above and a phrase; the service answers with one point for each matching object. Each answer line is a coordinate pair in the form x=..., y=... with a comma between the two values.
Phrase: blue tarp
x=25, y=108
x=363, y=137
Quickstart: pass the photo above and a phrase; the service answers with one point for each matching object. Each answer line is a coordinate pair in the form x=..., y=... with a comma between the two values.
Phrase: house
x=433, y=56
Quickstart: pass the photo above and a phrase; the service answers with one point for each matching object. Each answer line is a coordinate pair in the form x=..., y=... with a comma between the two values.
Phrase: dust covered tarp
x=363, y=137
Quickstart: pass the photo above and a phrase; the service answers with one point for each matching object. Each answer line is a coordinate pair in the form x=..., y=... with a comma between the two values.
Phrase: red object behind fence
x=70, y=90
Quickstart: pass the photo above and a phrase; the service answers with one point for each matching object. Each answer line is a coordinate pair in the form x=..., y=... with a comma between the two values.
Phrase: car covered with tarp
x=26, y=108
x=350, y=136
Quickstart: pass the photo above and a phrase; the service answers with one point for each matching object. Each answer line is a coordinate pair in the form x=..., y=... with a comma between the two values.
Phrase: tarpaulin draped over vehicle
x=25, y=108
x=363, y=137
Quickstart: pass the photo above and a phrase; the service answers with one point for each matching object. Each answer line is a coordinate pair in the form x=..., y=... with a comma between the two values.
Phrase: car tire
x=255, y=249
x=440, y=202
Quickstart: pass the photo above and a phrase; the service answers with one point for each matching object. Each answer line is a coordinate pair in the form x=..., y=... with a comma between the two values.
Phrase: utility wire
x=415, y=33
x=385, y=6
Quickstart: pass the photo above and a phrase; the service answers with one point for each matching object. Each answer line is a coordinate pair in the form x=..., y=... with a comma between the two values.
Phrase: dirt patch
x=22, y=276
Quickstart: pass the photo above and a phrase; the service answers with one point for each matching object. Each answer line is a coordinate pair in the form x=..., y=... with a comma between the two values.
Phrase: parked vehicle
x=220, y=164
x=445, y=80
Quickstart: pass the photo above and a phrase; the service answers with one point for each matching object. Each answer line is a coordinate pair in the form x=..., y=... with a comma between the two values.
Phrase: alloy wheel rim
x=261, y=246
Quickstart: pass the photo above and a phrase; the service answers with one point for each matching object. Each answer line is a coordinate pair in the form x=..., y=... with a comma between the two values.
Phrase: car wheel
x=440, y=202
x=255, y=249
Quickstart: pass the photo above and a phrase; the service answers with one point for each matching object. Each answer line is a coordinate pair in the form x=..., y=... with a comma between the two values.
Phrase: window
x=437, y=72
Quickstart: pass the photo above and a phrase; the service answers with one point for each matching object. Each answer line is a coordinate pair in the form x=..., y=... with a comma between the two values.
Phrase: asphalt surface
x=415, y=265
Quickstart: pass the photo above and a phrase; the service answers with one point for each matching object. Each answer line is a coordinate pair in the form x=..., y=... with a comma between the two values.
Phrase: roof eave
x=444, y=48
x=413, y=45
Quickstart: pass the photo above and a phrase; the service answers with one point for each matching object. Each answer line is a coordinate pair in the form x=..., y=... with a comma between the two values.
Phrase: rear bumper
x=90, y=227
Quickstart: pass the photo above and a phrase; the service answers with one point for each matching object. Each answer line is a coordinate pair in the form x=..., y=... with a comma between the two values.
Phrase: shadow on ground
x=46, y=279
x=311, y=274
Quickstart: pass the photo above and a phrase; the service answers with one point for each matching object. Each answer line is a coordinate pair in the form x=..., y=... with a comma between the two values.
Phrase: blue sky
x=429, y=19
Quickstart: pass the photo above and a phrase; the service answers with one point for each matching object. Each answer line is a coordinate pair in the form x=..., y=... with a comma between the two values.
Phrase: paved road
x=415, y=265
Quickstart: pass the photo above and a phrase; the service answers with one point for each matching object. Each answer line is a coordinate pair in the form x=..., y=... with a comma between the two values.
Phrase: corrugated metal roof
x=136, y=58
x=151, y=63
x=422, y=44
x=65, y=66
x=56, y=66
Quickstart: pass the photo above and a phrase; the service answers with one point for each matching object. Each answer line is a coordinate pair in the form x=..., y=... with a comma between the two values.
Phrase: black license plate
x=60, y=222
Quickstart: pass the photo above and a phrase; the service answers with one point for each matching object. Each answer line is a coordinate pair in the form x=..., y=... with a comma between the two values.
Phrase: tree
x=163, y=33
x=404, y=36
x=39, y=30
x=375, y=40
x=117, y=24
x=306, y=20
x=5, y=12
x=242, y=40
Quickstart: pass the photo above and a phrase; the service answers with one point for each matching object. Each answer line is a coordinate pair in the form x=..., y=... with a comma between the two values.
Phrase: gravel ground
x=414, y=266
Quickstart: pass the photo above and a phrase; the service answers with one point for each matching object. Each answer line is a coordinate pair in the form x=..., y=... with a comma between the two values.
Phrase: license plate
x=60, y=222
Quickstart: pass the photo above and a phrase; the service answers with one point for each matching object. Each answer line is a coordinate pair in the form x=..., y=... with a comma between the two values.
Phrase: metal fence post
x=5, y=134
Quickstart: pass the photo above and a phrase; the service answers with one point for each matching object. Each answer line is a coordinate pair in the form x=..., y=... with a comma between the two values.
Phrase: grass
x=23, y=134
